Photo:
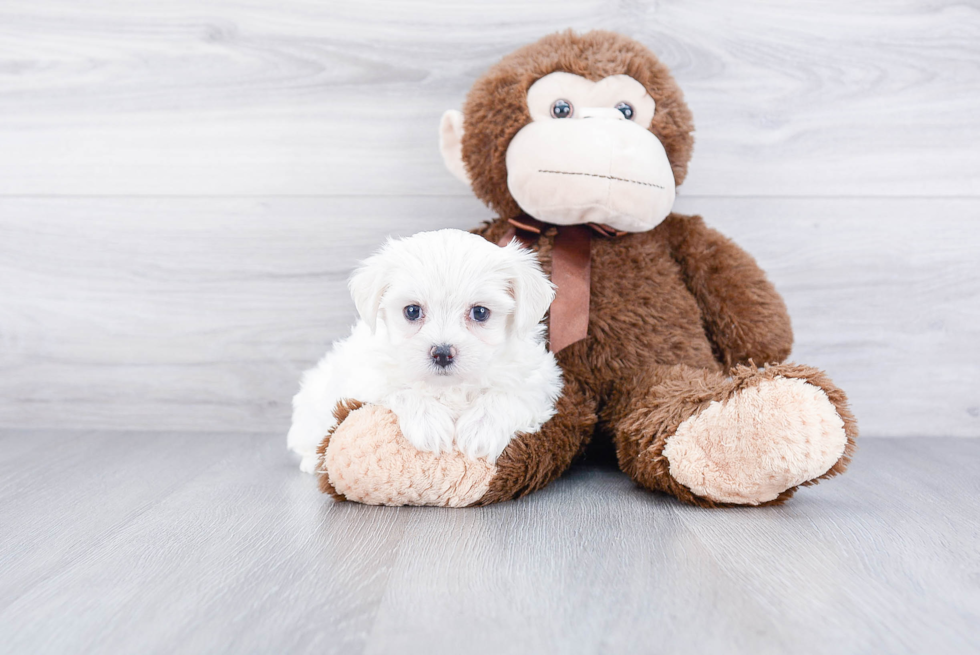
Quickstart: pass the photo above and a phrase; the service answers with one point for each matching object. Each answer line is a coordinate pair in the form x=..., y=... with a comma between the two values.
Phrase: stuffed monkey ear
x=367, y=287
x=451, y=144
x=533, y=291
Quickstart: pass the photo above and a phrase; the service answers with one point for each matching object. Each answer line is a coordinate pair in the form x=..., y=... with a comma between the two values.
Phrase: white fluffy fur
x=503, y=379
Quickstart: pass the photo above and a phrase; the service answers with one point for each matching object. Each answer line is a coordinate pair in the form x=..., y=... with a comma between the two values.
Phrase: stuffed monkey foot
x=748, y=440
x=758, y=443
x=366, y=459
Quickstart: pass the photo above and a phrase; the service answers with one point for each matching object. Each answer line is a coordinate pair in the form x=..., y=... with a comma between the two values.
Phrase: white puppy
x=449, y=340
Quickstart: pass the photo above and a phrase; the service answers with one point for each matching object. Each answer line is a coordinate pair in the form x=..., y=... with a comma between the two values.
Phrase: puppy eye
x=626, y=109
x=479, y=314
x=413, y=312
x=561, y=109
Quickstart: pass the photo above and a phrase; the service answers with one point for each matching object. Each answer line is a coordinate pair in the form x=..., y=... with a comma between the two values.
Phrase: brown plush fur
x=670, y=395
x=680, y=316
x=672, y=310
x=340, y=412
x=496, y=107
x=531, y=461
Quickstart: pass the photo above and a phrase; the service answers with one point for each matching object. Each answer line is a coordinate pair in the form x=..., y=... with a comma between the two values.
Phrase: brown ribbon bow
x=571, y=269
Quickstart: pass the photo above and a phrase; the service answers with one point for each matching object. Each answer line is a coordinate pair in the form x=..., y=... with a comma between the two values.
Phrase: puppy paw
x=309, y=463
x=368, y=460
x=760, y=442
x=427, y=425
x=429, y=431
x=480, y=434
x=303, y=438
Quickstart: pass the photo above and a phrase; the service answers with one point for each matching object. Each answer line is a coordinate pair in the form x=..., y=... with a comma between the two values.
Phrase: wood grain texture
x=219, y=545
x=184, y=187
x=200, y=314
x=238, y=97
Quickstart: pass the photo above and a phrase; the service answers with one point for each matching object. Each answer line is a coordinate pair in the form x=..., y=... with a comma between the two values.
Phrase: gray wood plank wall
x=185, y=185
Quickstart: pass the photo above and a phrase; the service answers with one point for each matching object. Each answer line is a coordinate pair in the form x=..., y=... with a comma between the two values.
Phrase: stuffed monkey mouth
x=605, y=177
x=611, y=172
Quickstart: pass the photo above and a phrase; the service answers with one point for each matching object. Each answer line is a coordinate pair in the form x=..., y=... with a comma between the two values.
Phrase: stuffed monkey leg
x=531, y=461
x=366, y=459
x=750, y=438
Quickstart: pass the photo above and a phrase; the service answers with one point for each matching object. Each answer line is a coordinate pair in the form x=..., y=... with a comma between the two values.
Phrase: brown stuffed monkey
x=660, y=325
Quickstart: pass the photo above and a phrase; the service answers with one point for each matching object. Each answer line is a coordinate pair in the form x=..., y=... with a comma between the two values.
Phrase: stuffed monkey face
x=587, y=143
x=587, y=156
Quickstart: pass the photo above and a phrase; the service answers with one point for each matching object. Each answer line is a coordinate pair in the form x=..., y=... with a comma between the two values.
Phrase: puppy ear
x=533, y=291
x=367, y=286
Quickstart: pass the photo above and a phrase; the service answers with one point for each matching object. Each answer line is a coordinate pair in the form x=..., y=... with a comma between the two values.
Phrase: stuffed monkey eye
x=626, y=109
x=413, y=312
x=561, y=109
x=479, y=314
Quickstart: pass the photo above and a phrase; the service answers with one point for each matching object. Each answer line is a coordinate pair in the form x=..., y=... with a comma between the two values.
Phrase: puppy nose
x=442, y=355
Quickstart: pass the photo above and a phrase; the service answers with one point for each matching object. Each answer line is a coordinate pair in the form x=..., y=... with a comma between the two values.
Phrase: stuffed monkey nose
x=442, y=355
x=601, y=112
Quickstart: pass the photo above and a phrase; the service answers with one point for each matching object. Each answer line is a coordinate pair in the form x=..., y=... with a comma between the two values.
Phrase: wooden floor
x=141, y=542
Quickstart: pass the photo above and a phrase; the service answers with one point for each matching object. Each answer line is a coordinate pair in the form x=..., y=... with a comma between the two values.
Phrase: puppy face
x=446, y=303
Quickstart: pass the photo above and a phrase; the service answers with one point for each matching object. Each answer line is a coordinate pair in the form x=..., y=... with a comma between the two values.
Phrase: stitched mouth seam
x=605, y=177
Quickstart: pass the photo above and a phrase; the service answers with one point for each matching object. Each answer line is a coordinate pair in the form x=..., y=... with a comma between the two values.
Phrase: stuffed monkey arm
x=744, y=316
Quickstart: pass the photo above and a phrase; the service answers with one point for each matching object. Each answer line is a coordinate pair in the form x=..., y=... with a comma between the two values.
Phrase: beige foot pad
x=760, y=442
x=369, y=461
